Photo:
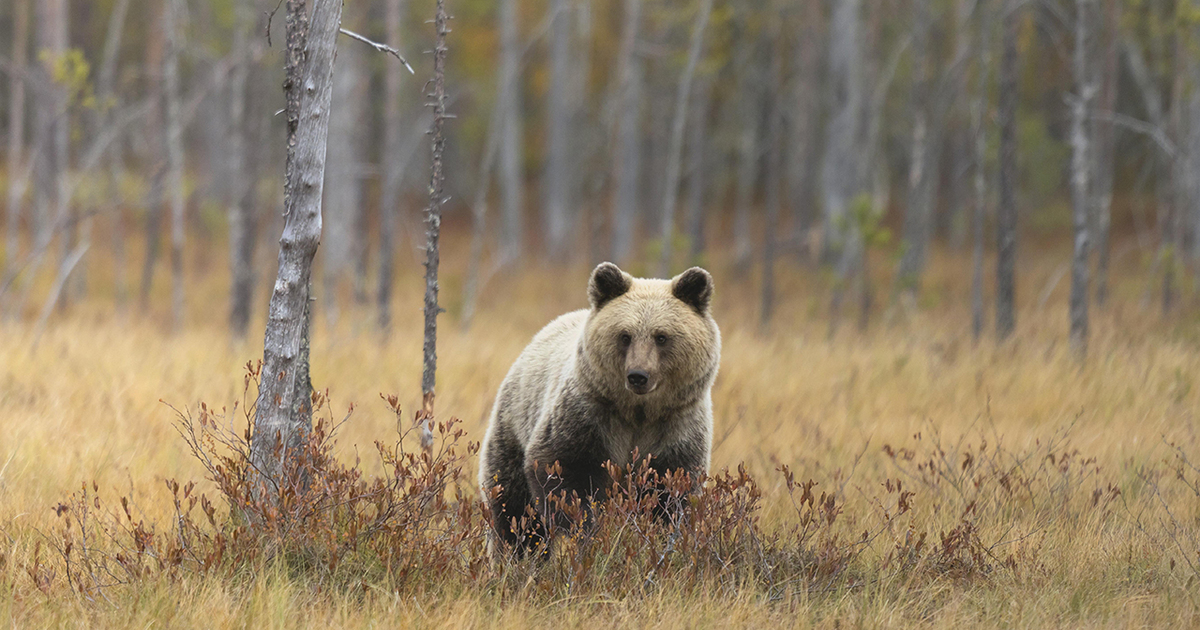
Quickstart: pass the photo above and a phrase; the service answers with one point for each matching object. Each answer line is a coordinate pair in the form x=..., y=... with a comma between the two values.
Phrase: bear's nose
x=638, y=378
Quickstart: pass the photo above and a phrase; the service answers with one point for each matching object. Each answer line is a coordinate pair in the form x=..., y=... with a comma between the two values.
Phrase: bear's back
x=539, y=374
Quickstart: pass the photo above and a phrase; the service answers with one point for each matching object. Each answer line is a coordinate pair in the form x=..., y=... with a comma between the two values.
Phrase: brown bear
x=633, y=372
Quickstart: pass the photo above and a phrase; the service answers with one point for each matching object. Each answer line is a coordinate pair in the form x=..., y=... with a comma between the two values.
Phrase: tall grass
x=894, y=478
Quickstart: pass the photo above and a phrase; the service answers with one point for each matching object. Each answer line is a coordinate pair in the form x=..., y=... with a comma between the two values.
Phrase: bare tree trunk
x=774, y=175
x=433, y=221
x=283, y=414
x=391, y=163
x=171, y=17
x=675, y=150
x=557, y=174
x=156, y=144
x=840, y=172
x=1006, y=215
x=698, y=170
x=512, y=175
x=1104, y=149
x=241, y=206
x=16, y=134
x=979, y=130
x=802, y=144
x=1081, y=164
x=917, y=214
x=627, y=145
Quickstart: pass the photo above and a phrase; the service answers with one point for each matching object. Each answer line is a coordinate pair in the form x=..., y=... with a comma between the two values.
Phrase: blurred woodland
x=751, y=133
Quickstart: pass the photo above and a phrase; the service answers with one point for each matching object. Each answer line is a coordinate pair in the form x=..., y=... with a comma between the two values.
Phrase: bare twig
x=383, y=48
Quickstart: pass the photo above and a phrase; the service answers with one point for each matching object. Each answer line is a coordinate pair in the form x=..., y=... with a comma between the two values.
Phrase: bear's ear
x=608, y=282
x=694, y=287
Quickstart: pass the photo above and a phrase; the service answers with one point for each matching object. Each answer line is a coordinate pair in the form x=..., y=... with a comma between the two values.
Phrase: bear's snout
x=638, y=382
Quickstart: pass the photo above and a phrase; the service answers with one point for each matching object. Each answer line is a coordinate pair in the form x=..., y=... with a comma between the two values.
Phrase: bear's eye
x=660, y=339
x=626, y=339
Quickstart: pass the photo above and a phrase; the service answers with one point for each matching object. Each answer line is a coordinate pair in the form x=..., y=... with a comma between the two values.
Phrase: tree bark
x=675, y=150
x=171, y=18
x=558, y=173
x=16, y=134
x=391, y=163
x=283, y=413
x=433, y=217
x=627, y=144
x=1006, y=216
x=1081, y=165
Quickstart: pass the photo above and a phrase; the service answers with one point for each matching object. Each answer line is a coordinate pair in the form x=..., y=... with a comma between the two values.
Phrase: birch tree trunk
x=557, y=174
x=391, y=163
x=675, y=150
x=512, y=175
x=1006, y=215
x=979, y=161
x=16, y=134
x=283, y=414
x=1081, y=163
x=171, y=17
x=627, y=145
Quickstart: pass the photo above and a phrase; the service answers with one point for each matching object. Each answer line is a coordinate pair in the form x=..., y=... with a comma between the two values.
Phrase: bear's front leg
x=562, y=467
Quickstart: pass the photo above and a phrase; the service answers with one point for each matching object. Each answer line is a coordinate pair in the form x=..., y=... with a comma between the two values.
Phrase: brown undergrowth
x=962, y=511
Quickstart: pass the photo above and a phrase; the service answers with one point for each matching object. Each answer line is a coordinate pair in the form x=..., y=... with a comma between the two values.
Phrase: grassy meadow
x=972, y=485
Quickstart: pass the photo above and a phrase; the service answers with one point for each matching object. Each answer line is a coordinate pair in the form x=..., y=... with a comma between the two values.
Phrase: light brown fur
x=569, y=397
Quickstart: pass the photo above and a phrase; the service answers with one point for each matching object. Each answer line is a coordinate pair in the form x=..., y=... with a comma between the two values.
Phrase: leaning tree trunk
x=16, y=133
x=171, y=16
x=1006, y=215
x=1081, y=163
x=675, y=150
x=283, y=414
x=627, y=144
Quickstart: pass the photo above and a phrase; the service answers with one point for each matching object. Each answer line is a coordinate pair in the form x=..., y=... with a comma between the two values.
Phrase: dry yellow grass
x=85, y=406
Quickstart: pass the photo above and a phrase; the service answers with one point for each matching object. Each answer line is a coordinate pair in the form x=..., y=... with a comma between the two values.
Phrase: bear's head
x=651, y=341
